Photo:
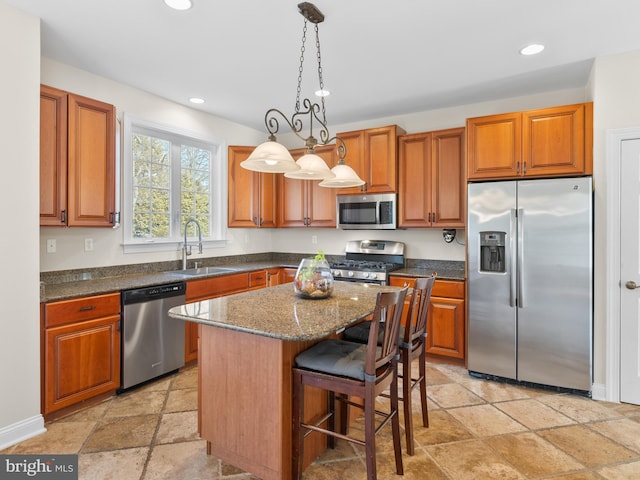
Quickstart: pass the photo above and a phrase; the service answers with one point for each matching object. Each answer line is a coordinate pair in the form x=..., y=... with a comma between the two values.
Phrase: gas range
x=369, y=261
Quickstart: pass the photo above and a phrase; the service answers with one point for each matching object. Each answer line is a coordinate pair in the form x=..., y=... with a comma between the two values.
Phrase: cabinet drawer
x=442, y=288
x=216, y=286
x=86, y=308
x=257, y=279
x=448, y=288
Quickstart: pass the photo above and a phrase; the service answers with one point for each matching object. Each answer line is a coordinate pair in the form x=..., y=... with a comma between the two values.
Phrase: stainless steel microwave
x=375, y=211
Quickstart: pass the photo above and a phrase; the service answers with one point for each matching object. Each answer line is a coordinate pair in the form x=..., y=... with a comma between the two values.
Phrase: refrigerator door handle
x=521, y=285
x=512, y=267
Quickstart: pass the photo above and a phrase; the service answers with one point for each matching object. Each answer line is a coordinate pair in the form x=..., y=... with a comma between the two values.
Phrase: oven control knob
x=336, y=273
x=365, y=275
x=350, y=273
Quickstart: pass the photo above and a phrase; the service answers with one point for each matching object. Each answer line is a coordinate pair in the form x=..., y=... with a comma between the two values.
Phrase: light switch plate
x=51, y=245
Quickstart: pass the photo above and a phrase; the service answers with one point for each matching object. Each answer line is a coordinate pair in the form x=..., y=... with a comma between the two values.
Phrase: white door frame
x=613, y=163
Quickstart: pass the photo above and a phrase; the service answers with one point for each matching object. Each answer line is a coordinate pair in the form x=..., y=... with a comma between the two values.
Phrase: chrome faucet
x=186, y=247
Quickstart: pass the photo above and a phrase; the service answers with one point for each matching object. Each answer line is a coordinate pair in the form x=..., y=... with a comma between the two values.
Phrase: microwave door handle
x=378, y=209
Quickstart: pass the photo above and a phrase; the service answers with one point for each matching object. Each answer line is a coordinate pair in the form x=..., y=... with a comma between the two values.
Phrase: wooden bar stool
x=413, y=336
x=346, y=369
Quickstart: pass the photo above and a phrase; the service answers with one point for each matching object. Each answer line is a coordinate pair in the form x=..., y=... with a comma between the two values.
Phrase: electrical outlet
x=51, y=246
x=314, y=239
x=88, y=244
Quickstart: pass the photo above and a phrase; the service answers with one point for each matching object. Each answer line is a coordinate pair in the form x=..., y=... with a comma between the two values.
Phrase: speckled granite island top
x=278, y=312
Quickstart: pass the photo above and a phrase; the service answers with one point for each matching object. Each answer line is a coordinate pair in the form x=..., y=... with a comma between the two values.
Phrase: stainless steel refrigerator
x=530, y=281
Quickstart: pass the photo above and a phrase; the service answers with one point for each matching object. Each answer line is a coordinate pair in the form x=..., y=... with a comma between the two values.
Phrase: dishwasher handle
x=157, y=292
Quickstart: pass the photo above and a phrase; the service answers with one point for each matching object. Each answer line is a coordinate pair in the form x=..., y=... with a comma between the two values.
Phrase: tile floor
x=479, y=430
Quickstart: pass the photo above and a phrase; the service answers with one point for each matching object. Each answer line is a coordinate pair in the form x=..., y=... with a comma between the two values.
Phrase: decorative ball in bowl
x=313, y=278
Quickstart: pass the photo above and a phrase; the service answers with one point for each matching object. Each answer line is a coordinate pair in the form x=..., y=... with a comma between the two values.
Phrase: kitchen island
x=248, y=343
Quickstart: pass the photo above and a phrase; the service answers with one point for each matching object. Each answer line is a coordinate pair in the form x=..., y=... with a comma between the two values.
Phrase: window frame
x=218, y=187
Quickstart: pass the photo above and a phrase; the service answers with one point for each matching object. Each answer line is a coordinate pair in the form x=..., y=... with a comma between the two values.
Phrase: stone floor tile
x=443, y=428
x=452, y=395
x=581, y=409
x=60, y=437
x=628, y=471
x=486, y=420
x=186, y=460
x=122, y=432
x=472, y=460
x=136, y=403
x=623, y=431
x=581, y=475
x=178, y=427
x=588, y=447
x=182, y=400
x=533, y=414
x=127, y=464
x=186, y=379
x=494, y=391
x=533, y=456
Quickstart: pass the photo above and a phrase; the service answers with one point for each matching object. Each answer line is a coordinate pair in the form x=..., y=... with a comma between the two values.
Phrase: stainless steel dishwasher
x=152, y=342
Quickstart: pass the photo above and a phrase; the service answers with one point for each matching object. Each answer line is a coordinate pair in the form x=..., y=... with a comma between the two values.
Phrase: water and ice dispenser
x=492, y=253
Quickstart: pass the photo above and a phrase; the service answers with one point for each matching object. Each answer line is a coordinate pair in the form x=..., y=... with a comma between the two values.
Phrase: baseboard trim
x=20, y=431
x=599, y=392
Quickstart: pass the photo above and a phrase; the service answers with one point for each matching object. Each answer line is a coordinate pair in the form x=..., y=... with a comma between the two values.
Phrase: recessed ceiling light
x=179, y=4
x=532, y=49
x=322, y=93
x=196, y=100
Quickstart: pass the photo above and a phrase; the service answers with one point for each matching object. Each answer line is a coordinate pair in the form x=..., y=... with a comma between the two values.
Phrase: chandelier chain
x=320, y=81
x=301, y=67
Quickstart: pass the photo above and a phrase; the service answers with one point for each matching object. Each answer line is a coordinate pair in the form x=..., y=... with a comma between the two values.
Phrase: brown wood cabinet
x=251, y=195
x=204, y=289
x=548, y=142
x=77, y=160
x=446, y=321
x=302, y=203
x=373, y=154
x=81, y=350
x=432, y=183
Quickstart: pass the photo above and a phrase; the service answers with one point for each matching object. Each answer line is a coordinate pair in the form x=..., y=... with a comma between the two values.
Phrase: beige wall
x=19, y=295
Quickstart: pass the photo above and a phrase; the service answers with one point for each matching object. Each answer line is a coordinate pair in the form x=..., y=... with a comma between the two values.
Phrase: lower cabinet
x=446, y=320
x=81, y=350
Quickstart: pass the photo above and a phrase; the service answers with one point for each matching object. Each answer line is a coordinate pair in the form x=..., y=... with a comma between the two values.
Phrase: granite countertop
x=278, y=312
x=114, y=284
x=124, y=278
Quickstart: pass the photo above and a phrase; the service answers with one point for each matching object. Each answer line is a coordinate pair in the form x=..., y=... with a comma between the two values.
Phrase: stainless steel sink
x=192, y=272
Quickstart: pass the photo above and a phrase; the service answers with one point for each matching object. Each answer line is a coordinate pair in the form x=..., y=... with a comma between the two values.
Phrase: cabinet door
x=53, y=156
x=241, y=195
x=448, y=182
x=494, y=146
x=556, y=141
x=445, y=332
x=381, y=159
x=321, y=201
x=414, y=172
x=251, y=195
x=292, y=200
x=91, y=163
x=288, y=275
x=82, y=360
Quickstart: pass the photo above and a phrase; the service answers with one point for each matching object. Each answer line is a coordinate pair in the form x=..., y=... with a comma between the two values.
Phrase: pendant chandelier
x=273, y=157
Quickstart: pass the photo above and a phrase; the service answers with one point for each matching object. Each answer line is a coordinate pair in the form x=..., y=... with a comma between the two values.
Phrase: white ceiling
x=379, y=57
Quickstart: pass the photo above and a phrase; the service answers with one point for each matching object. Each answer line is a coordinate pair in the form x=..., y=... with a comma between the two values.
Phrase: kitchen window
x=169, y=177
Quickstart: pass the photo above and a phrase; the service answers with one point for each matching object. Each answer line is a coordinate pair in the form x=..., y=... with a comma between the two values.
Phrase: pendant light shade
x=270, y=157
x=345, y=176
x=312, y=167
x=274, y=158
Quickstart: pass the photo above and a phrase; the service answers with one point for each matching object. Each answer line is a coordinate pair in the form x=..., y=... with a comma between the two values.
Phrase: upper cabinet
x=302, y=203
x=77, y=160
x=252, y=195
x=431, y=179
x=373, y=154
x=547, y=142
